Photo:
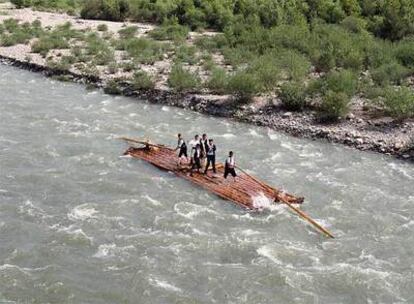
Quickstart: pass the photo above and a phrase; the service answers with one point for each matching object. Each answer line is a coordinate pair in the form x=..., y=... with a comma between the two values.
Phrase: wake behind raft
x=241, y=192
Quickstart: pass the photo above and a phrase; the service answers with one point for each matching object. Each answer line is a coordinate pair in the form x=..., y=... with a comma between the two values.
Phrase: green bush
x=379, y=52
x=11, y=25
x=102, y=27
x=186, y=54
x=333, y=46
x=244, y=85
x=12, y=32
x=237, y=56
x=112, y=88
x=342, y=81
x=60, y=65
x=21, y=3
x=389, y=73
x=210, y=43
x=399, y=102
x=218, y=81
x=49, y=42
x=293, y=63
x=113, y=10
x=405, y=52
x=144, y=50
x=354, y=24
x=182, y=80
x=293, y=96
x=128, y=32
x=142, y=81
x=99, y=49
x=170, y=30
x=127, y=66
x=69, y=6
x=334, y=105
x=294, y=37
x=268, y=70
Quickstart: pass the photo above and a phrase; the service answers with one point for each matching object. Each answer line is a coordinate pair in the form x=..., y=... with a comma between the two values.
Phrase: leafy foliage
x=170, y=30
x=293, y=96
x=399, y=102
x=114, y=10
x=334, y=105
x=182, y=80
x=142, y=81
x=244, y=85
x=218, y=81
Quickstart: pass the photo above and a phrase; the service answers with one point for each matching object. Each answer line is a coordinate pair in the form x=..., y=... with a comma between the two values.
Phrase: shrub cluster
x=13, y=32
x=57, y=39
x=182, y=80
x=142, y=81
x=170, y=30
x=69, y=6
x=399, y=102
x=113, y=10
x=387, y=19
x=293, y=96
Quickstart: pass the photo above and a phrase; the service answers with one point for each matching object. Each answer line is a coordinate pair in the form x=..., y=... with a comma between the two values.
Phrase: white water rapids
x=80, y=224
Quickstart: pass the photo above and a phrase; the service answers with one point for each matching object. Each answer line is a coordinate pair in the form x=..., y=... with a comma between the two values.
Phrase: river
x=81, y=224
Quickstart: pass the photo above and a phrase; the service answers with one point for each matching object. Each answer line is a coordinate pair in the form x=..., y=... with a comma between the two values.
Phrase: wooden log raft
x=242, y=192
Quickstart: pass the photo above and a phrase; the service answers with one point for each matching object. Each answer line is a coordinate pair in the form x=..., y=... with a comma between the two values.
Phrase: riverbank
x=361, y=129
x=381, y=135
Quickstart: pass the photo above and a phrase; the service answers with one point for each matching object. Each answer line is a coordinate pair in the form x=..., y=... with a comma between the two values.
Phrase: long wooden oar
x=297, y=210
x=308, y=218
x=143, y=142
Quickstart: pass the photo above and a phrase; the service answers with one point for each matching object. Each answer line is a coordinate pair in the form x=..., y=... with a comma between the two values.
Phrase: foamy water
x=80, y=223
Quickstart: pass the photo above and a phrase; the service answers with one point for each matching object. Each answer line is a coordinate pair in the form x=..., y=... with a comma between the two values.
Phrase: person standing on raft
x=182, y=147
x=203, y=147
x=193, y=143
x=196, y=160
x=229, y=167
x=211, y=156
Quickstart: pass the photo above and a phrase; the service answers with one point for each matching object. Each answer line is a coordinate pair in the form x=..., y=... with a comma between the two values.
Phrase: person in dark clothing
x=196, y=160
x=203, y=148
x=182, y=147
x=211, y=155
x=204, y=144
x=229, y=167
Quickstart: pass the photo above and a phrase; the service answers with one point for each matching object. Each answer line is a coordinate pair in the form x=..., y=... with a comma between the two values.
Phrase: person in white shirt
x=193, y=143
x=230, y=165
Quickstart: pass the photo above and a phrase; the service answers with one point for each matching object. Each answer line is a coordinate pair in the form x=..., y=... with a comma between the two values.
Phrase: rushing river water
x=81, y=224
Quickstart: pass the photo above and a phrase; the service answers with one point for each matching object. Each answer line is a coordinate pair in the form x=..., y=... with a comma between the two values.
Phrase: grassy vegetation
x=341, y=48
x=218, y=81
x=170, y=30
x=334, y=105
x=182, y=80
x=399, y=102
x=112, y=88
x=142, y=81
x=143, y=50
x=68, y=6
x=99, y=50
x=13, y=32
x=293, y=96
x=243, y=85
